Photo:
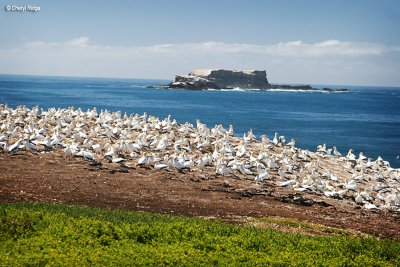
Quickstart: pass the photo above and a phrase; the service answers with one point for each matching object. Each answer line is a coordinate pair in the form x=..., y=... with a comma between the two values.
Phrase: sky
x=336, y=42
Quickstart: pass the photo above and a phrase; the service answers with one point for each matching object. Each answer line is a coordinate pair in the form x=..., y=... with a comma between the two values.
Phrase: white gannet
x=275, y=140
x=361, y=156
x=291, y=143
x=14, y=147
x=160, y=166
x=222, y=169
x=359, y=199
x=68, y=152
x=143, y=160
x=282, y=140
x=251, y=135
x=265, y=140
x=321, y=148
x=177, y=164
x=271, y=163
x=243, y=170
x=261, y=176
x=86, y=155
x=350, y=155
x=117, y=160
x=230, y=131
x=351, y=185
x=97, y=148
x=336, y=152
x=286, y=184
x=370, y=206
x=333, y=177
x=327, y=175
x=27, y=145
x=282, y=174
x=358, y=176
x=201, y=163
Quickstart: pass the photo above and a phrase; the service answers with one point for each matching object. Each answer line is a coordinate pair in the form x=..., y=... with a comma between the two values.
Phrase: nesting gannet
x=68, y=152
x=327, y=175
x=321, y=148
x=291, y=143
x=86, y=155
x=3, y=145
x=264, y=139
x=160, y=166
x=350, y=155
x=282, y=174
x=333, y=177
x=27, y=145
x=117, y=160
x=243, y=170
x=286, y=184
x=222, y=169
x=241, y=150
x=201, y=163
x=272, y=164
x=359, y=199
x=55, y=140
x=251, y=135
x=14, y=147
x=262, y=175
x=275, y=140
x=351, y=185
x=358, y=177
x=230, y=131
x=143, y=160
x=379, y=161
x=336, y=152
x=370, y=206
x=177, y=164
x=361, y=156
x=282, y=139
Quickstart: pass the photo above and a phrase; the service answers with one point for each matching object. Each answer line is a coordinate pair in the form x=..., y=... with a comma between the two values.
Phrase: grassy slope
x=39, y=234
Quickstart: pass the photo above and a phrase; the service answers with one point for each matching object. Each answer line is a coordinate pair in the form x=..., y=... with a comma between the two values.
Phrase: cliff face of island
x=229, y=79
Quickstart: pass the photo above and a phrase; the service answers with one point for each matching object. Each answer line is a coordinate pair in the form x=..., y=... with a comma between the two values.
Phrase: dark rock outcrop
x=221, y=79
x=193, y=82
x=243, y=79
x=291, y=87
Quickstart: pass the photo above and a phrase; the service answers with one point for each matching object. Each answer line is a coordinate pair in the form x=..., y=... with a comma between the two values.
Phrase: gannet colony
x=147, y=141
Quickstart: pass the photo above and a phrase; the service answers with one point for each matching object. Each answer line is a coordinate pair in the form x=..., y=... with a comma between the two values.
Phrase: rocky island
x=230, y=79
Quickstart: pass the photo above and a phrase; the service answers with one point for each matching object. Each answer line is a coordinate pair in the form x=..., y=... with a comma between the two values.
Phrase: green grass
x=42, y=234
x=294, y=225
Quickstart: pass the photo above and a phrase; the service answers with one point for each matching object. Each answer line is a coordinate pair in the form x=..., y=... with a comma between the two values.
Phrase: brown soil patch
x=51, y=178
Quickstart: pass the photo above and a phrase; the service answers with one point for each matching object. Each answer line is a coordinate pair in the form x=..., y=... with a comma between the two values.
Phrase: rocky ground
x=49, y=177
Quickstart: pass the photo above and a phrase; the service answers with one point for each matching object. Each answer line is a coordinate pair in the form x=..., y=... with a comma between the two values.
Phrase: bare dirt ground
x=50, y=178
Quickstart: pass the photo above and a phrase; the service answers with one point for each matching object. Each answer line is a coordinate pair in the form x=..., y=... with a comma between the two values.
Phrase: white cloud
x=79, y=42
x=294, y=48
x=296, y=61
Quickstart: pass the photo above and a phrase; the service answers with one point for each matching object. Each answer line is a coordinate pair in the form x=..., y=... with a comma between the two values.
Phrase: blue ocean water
x=366, y=119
